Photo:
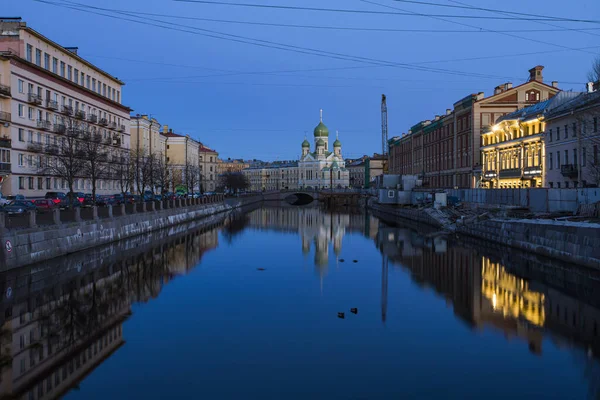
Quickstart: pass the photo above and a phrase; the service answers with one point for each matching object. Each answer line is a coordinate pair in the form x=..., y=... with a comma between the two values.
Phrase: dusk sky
x=257, y=101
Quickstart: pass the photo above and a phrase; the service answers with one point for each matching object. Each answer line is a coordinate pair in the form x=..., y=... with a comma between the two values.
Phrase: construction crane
x=384, y=126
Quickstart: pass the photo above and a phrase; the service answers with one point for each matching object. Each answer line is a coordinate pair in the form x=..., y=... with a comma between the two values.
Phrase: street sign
x=8, y=246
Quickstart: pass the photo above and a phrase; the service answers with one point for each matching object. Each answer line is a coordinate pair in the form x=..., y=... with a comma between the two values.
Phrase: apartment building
x=279, y=175
x=146, y=135
x=446, y=150
x=208, y=168
x=183, y=160
x=572, y=141
x=46, y=90
x=230, y=165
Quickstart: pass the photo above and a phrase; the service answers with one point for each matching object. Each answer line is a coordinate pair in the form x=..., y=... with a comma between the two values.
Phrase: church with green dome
x=324, y=167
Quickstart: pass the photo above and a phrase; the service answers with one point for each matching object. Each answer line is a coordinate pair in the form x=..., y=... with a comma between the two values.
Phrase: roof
x=172, y=134
x=321, y=130
x=542, y=108
x=576, y=103
x=205, y=149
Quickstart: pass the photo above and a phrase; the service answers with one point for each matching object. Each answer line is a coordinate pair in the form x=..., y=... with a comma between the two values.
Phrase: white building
x=322, y=168
x=43, y=84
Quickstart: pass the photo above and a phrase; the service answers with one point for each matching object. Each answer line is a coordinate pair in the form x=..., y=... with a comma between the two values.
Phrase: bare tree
x=143, y=169
x=594, y=74
x=122, y=169
x=192, y=177
x=162, y=172
x=65, y=156
x=233, y=182
x=95, y=152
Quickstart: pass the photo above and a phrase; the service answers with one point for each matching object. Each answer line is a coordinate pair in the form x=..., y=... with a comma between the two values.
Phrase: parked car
x=88, y=200
x=169, y=196
x=19, y=207
x=56, y=197
x=119, y=198
x=105, y=201
x=3, y=200
x=79, y=196
x=158, y=197
x=131, y=198
x=42, y=205
x=15, y=197
x=66, y=204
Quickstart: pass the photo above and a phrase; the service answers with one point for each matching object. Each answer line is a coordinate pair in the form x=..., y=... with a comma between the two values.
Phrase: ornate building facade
x=322, y=168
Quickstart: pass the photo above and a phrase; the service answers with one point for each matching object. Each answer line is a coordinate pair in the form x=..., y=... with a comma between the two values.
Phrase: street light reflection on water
x=247, y=307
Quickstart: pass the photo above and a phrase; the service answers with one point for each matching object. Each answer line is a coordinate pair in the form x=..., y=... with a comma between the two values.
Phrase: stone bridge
x=331, y=197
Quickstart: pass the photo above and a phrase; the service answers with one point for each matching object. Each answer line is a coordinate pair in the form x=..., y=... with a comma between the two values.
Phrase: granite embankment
x=21, y=247
x=574, y=242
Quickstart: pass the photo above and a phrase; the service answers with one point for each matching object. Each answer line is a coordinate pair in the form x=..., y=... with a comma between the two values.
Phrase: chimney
x=507, y=86
x=535, y=74
x=555, y=84
x=498, y=90
x=165, y=128
x=590, y=87
x=480, y=96
x=72, y=49
x=448, y=111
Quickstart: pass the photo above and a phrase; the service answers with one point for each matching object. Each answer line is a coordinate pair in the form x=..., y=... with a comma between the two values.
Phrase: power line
x=258, y=42
x=351, y=28
x=477, y=27
x=404, y=13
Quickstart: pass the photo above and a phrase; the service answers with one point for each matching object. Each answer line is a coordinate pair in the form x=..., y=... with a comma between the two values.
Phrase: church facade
x=324, y=167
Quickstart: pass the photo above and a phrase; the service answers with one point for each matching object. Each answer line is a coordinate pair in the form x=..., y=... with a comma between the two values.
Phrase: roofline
x=516, y=87
x=8, y=56
x=89, y=64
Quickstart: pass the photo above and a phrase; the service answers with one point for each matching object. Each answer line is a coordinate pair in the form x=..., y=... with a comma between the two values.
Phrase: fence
x=536, y=199
x=34, y=219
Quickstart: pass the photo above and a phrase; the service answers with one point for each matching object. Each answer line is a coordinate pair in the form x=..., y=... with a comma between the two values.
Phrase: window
x=550, y=134
x=94, y=84
x=104, y=89
x=566, y=131
x=47, y=61
x=48, y=183
x=82, y=79
x=69, y=72
x=29, y=54
x=550, y=161
x=566, y=156
x=38, y=57
x=583, y=157
x=595, y=124
x=87, y=82
x=21, y=85
x=575, y=161
x=30, y=112
x=551, y=184
x=118, y=96
x=558, y=133
x=21, y=182
x=30, y=185
x=55, y=65
x=62, y=69
x=558, y=160
x=574, y=128
x=21, y=135
x=558, y=185
x=76, y=76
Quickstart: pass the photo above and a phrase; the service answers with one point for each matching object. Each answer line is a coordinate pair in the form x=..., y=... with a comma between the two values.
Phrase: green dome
x=305, y=143
x=320, y=142
x=321, y=130
x=337, y=143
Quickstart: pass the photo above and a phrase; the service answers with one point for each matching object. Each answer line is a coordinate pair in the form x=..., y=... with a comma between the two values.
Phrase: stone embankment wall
x=412, y=214
x=21, y=247
x=567, y=241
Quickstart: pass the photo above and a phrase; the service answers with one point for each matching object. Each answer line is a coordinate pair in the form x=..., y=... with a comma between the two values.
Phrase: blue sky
x=243, y=100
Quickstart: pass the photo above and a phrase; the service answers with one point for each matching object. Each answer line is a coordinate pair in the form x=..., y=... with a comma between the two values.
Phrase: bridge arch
x=299, y=198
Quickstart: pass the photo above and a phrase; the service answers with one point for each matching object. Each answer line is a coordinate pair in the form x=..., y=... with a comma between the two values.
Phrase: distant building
x=364, y=171
x=230, y=165
x=183, y=160
x=445, y=151
x=279, y=175
x=572, y=140
x=208, y=168
x=512, y=150
x=322, y=168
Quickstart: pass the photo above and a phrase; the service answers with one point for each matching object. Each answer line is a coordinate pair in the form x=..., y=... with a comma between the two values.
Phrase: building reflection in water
x=323, y=230
x=484, y=293
x=59, y=321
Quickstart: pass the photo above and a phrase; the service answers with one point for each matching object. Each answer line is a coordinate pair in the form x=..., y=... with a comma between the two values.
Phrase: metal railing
x=34, y=98
x=4, y=116
x=103, y=121
x=68, y=110
x=52, y=104
x=112, y=125
x=80, y=114
x=93, y=118
x=60, y=128
x=5, y=167
x=5, y=142
x=35, y=147
x=568, y=170
x=43, y=124
x=121, y=128
x=4, y=90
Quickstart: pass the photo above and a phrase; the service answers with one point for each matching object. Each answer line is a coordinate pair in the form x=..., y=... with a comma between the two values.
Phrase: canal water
x=300, y=303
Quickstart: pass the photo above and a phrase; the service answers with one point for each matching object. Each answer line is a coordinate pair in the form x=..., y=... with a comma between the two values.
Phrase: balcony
x=33, y=98
x=569, y=170
x=4, y=116
x=103, y=121
x=510, y=173
x=52, y=105
x=112, y=125
x=5, y=143
x=43, y=124
x=59, y=128
x=532, y=171
x=80, y=114
x=121, y=128
x=4, y=91
x=67, y=110
x=35, y=147
x=116, y=141
x=93, y=118
x=5, y=168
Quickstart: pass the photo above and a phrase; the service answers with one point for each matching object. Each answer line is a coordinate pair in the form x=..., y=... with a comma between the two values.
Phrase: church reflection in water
x=61, y=320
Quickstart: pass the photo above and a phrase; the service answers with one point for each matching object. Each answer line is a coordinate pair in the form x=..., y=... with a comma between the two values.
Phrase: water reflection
x=61, y=320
